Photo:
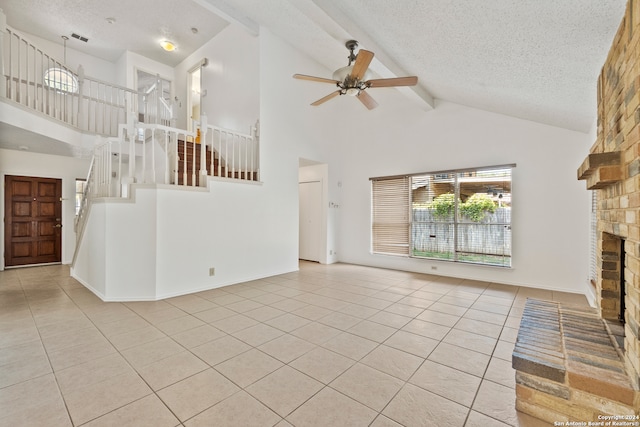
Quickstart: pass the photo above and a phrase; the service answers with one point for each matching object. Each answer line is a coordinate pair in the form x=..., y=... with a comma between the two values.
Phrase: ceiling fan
x=354, y=79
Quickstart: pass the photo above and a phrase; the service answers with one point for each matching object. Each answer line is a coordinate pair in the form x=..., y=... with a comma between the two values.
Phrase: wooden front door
x=33, y=220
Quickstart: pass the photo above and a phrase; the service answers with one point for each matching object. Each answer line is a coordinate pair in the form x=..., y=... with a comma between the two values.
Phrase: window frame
x=456, y=222
x=61, y=80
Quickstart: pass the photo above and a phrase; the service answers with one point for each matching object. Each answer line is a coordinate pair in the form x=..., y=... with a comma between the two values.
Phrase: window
x=459, y=215
x=61, y=80
x=80, y=186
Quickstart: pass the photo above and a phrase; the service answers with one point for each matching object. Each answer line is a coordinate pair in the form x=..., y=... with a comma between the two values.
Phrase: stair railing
x=149, y=154
x=156, y=109
x=233, y=154
x=34, y=79
x=78, y=225
x=142, y=154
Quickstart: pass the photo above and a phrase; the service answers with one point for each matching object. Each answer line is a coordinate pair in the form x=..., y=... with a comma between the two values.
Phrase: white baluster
x=166, y=158
x=234, y=139
x=132, y=148
x=175, y=159
x=144, y=158
x=153, y=156
x=119, y=167
x=246, y=157
x=184, y=161
x=256, y=144
x=219, y=152
x=80, y=93
x=109, y=168
x=203, y=150
x=3, y=30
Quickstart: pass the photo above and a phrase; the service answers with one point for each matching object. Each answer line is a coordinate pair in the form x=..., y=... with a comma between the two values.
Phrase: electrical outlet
x=330, y=251
x=212, y=271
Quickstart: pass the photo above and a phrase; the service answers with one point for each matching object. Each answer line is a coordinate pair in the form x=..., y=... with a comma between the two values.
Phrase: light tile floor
x=337, y=345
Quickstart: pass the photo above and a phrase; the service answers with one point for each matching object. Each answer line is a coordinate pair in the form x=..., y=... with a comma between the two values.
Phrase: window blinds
x=390, y=215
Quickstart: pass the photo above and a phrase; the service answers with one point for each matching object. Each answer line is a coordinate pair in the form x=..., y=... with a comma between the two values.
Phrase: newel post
x=256, y=143
x=3, y=29
x=203, y=150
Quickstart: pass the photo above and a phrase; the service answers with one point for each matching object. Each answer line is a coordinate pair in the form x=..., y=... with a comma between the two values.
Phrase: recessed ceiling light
x=167, y=45
x=194, y=30
x=111, y=20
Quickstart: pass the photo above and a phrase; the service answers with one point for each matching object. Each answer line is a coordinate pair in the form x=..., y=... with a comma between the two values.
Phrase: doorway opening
x=154, y=99
x=317, y=221
x=310, y=236
x=194, y=95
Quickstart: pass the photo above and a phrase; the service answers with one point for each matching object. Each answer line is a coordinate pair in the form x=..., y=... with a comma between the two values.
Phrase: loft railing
x=36, y=80
x=232, y=154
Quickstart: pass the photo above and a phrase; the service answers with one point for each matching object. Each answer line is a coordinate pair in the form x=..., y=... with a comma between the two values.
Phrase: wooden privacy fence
x=491, y=236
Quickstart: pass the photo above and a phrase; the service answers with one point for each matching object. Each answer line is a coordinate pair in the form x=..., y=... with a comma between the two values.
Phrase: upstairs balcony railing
x=35, y=80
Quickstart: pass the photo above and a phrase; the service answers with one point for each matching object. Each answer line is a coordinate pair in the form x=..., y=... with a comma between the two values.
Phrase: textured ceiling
x=139, y=25
x=534, y=59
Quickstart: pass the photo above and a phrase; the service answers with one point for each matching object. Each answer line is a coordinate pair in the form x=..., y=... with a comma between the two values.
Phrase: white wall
x=90, y=267
x=231, y=80
x=550, y=207
x=128, y=64
x=13, y=162
x=163, y=242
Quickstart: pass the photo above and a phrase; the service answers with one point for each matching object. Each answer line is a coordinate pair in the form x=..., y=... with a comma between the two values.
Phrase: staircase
x=186, y=164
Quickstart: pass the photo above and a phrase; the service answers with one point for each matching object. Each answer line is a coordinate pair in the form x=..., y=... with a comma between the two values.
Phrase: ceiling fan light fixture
x=355, y=78
x=341, y=74
x=168, y=45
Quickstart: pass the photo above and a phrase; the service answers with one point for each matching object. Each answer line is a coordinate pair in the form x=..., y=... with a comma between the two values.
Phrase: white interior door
x=310, y=220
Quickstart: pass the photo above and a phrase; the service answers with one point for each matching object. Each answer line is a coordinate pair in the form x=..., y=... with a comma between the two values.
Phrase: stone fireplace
x=580, y=364
x=612, y=168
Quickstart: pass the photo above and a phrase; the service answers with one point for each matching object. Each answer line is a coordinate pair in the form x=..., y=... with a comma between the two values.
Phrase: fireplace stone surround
x=581, y=365
x=612, y=168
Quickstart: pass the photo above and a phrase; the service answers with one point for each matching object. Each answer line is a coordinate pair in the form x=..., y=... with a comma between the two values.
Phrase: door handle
x=58, y=225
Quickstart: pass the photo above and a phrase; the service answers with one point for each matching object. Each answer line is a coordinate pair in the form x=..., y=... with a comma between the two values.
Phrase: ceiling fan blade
x=367, y=100
x=326, y=98
x=398, y=81
x=315, y=79
x=363, y=60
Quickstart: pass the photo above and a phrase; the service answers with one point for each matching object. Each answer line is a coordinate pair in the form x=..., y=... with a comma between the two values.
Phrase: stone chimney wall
x=618, y=181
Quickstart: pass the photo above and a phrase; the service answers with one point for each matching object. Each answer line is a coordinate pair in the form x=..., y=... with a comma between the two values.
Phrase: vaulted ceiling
x=534, y=59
